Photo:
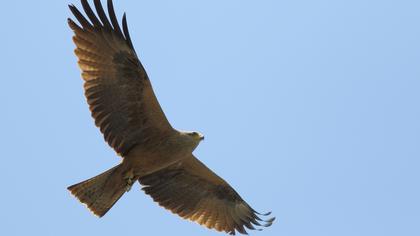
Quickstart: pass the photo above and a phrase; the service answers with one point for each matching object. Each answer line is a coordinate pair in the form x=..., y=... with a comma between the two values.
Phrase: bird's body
x=159, y=157
x=171, y=149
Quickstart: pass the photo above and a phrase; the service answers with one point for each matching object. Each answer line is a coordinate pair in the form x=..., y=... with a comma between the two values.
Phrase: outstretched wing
x=194, y=192
x=117, y=87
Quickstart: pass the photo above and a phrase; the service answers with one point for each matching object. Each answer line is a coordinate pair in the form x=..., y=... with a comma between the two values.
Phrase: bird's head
x=190, y=139
x=198, y=137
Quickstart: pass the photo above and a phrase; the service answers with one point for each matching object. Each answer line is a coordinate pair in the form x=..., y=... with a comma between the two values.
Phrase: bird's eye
x=194, y=133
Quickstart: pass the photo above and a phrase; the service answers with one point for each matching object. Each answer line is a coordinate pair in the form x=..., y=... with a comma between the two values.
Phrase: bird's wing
x=194, y=192
x=117, y=88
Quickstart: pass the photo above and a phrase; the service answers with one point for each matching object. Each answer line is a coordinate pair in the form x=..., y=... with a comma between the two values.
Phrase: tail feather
x=101, y=192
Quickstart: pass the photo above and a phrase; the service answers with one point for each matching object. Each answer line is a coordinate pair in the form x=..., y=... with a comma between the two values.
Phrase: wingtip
x=70, y=22
x=269, y=222
x=272, y=219
x=262, y=222
x=72, y=7
x=261, y=214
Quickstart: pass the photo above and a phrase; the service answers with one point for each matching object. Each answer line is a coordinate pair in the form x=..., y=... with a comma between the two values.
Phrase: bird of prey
x=125, y=109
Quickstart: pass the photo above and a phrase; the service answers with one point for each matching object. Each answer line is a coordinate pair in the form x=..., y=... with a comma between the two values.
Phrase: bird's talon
x=129, y=181
x=128, y=187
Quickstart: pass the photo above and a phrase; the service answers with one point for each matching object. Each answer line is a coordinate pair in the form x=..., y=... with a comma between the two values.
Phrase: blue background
x=310, y=109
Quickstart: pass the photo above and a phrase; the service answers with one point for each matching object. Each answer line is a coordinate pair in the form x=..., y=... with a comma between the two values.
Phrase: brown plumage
x=124, y=107
x=194, y=192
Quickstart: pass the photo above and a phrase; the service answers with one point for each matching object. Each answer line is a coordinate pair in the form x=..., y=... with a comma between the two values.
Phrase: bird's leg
x=129, y=179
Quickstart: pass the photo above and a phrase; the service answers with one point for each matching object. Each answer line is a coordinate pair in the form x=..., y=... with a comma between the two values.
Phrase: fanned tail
x=101, y=192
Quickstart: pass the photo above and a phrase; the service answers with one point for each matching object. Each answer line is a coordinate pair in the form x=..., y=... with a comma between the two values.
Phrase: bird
x=125, y=109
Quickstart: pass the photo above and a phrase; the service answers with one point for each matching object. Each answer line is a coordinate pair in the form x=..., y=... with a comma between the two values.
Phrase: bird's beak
x=201, y=137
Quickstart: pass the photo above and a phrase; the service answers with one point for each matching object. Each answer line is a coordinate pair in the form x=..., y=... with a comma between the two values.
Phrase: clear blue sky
x=310, y=109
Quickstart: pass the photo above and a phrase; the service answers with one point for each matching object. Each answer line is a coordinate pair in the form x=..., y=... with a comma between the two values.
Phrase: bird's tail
x=101, y=192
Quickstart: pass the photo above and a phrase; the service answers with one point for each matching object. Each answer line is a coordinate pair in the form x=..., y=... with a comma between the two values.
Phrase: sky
x=310, y=109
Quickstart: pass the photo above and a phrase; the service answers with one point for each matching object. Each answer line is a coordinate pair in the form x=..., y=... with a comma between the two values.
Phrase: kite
x=159, y=157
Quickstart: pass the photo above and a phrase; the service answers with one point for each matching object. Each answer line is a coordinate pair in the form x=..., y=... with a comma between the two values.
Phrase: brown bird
x=124, y=107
